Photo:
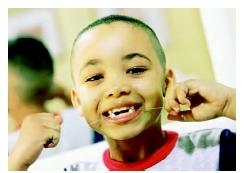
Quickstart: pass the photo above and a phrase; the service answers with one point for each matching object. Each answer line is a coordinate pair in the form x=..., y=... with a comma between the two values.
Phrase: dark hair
x=131, y=21
x=31, y=61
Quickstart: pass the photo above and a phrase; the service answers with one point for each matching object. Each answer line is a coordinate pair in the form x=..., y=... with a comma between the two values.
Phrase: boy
x=120, y=78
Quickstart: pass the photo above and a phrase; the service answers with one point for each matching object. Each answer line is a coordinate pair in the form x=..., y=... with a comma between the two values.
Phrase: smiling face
x=117, y=74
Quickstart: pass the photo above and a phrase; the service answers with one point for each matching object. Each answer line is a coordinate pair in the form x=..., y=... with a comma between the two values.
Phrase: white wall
x=219, y=29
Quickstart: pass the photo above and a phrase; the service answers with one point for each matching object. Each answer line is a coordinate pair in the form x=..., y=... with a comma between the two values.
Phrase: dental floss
x=100, y=119
x=148, y=109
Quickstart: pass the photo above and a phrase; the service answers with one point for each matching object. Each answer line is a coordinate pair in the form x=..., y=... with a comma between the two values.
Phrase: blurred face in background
x=13, y=98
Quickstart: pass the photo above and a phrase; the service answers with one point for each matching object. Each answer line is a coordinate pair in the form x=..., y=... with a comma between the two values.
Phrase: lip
x=126, y=118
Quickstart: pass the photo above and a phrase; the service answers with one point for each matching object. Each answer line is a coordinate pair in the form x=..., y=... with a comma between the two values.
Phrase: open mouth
x=120, y=112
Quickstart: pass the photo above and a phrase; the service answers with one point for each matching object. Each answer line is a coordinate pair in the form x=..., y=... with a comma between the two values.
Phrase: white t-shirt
x=193, y=151
x=92, y=157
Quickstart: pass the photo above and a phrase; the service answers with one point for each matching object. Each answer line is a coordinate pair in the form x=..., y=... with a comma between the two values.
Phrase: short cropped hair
x=30, y=60
x=131, y=21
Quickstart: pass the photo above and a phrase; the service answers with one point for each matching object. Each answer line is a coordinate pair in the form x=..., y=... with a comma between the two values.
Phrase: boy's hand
x=38, y=131
x=206, y=100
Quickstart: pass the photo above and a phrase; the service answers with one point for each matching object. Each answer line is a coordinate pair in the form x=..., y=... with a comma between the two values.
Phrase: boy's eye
x=136, y=70
x=94, y=78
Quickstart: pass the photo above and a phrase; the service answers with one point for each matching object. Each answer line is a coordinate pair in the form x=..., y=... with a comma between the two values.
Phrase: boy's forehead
x=105, y=38
x=107, y=35
x=106, y=30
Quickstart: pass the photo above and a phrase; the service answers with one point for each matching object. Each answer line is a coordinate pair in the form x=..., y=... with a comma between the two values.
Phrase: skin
x=35, y=132
x=206, y=100
x=116, y=83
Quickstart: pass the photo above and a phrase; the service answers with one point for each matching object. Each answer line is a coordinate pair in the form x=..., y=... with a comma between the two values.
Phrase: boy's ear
x=76, y=101
x=170, y=79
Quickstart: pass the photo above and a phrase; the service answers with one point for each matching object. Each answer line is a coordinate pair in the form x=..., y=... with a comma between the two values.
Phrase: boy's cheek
x=148, y=87
x=89, y=99
x=143, y=85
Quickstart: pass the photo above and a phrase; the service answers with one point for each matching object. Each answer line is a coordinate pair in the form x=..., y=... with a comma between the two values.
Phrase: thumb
x=59, y=118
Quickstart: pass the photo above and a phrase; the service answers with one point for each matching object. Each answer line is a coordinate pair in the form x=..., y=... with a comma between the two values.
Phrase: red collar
x=145, y=163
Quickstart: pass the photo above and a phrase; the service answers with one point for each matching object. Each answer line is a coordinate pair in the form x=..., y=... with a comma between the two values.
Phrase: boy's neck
x=141, y=146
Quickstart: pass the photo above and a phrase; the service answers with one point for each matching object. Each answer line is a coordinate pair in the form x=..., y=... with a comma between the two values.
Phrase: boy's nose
x=118, y=89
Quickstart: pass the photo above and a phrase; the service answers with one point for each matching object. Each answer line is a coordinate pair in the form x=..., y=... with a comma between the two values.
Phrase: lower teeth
x=121, y=115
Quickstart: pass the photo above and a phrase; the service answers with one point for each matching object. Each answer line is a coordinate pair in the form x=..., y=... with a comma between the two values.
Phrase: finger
x=52, y=121
x=171, y=104
x=59, y=118
x=53, y=139
x=187, y=116
x=178, y=93
x=175, y=117
x=51, y=124
x=175, y=107
x=193, y=86
x=184, y=116
x=181, y=94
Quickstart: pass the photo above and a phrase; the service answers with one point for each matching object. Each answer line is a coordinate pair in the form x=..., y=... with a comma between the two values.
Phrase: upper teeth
x=121, y=109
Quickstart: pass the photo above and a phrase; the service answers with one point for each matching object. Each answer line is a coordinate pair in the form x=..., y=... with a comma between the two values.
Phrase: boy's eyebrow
x=133, y=55
x=90, y=62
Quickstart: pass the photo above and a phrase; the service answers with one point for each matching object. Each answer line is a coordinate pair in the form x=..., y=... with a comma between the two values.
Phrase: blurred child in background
x=31, y=85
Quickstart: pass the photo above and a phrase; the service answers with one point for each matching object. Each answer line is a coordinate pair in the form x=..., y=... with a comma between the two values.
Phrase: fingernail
x=173, y=113
x=176, y=109
x=55, y=114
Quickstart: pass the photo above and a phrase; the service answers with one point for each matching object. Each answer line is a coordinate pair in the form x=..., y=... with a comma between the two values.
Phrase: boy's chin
x=123, y=135
x=124, y=138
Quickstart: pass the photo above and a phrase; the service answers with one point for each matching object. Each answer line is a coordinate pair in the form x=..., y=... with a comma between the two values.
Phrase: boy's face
x=116, y=71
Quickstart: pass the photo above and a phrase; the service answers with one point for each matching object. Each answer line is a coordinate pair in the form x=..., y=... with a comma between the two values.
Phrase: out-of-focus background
x=198, y=43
